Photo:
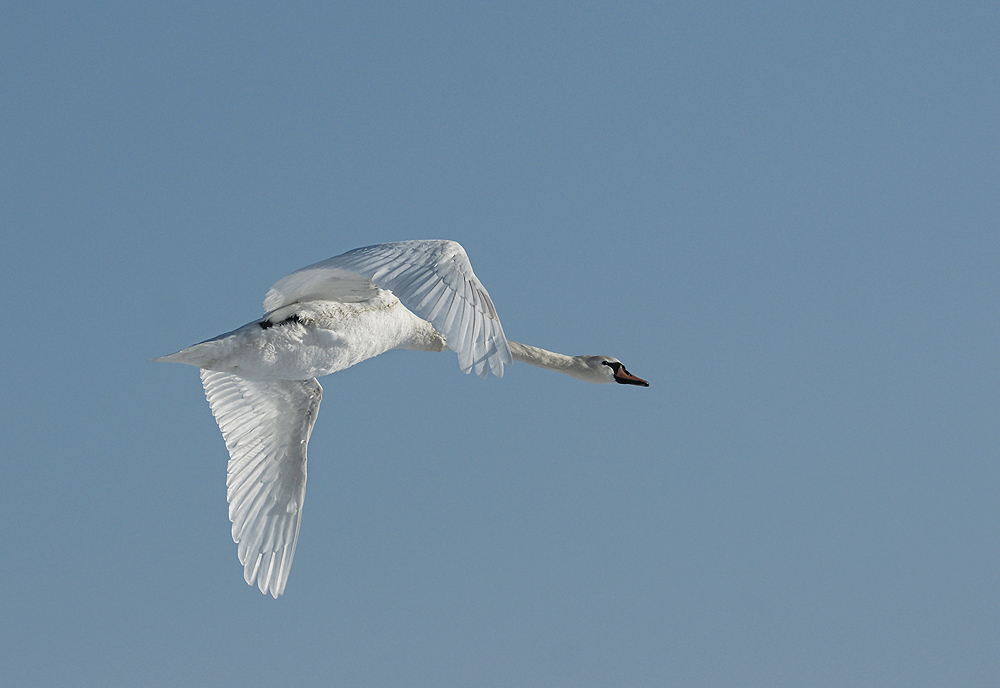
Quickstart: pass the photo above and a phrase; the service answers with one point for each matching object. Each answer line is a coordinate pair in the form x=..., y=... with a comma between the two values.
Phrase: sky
x=783, y=215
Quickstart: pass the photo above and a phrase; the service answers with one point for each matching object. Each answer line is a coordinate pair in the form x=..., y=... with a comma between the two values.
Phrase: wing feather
x=435, y=293
x=413, y=281
x=479, y=339
x=266, y=425
x=434, y=279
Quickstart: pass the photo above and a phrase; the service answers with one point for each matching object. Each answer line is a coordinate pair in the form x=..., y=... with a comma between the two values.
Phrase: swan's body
x=260, y=379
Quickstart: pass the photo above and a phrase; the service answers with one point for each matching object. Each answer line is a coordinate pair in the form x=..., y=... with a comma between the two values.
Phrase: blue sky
x=783, y=215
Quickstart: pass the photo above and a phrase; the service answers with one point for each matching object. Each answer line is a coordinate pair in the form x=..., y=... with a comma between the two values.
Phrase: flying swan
x=260, y=379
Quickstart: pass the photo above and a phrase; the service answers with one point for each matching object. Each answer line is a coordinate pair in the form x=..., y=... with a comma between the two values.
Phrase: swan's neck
x=550, y=360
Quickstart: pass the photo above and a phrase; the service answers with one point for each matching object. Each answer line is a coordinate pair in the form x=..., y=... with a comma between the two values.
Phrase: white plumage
x=266, y=425
x=433, y=278
x=260, y=379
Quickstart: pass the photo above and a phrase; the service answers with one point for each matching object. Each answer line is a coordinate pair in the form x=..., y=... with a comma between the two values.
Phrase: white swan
x=260, y=379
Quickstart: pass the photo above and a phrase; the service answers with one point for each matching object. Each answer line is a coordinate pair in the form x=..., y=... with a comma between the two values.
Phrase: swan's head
x=609, y=369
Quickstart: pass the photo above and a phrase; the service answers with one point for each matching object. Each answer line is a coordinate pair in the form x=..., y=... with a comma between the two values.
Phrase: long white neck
x=550, y=360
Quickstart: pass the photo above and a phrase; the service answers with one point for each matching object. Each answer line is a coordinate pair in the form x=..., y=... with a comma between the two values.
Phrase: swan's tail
x=204, y=355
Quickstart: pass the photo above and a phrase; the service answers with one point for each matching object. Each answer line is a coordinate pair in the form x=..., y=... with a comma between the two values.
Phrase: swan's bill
x=624, y=377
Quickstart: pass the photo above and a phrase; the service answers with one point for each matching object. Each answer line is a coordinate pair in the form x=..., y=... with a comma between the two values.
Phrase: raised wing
x=266, y=425
x=434, y=279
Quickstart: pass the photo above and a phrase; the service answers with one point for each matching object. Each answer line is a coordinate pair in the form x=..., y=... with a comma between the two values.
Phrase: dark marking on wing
x=265, y=324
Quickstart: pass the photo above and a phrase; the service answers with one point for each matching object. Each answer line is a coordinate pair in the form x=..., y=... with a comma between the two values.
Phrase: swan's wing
x=434, y=279
x=316, y=283
x=266, y=425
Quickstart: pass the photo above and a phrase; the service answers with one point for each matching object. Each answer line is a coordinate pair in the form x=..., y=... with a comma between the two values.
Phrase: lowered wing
x=266, y=425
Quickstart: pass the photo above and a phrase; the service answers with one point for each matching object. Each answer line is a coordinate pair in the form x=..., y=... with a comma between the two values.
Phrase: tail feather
x=200, y=355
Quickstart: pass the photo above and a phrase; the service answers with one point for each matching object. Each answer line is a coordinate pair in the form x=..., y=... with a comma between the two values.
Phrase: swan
x=260, y=379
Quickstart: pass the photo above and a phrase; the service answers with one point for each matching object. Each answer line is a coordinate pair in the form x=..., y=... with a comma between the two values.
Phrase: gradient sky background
x=783, y=215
